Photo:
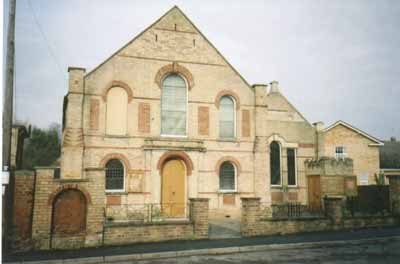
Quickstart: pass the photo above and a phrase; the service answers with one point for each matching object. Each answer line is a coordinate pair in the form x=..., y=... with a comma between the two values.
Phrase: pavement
x=175, y=249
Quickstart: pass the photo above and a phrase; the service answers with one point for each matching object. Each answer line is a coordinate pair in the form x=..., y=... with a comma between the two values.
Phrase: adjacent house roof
x=376, y=141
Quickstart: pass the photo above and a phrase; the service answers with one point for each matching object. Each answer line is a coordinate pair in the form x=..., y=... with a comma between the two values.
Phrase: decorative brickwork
x=144, y=118
x=277, y=197
x=229, y=199
x=229, y=93
x=245, y=123
x=72, y=186
x=292, y=196
x=117, y=156
x=203, y=120
x=113, y=199
x=174, y=68
x=94, y=114
x=176, y=154
x=117, y=84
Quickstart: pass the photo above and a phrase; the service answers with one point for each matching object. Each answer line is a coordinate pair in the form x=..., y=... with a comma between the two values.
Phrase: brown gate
x=314, y=192
x=68, y=219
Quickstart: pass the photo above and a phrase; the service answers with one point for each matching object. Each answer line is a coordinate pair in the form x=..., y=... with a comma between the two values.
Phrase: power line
x=52, y=54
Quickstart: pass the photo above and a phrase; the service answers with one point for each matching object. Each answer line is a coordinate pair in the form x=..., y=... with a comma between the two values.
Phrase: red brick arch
x=174, y=68
x=227, y=93
x=231, y=159
x=176, y=154
x=121, y=84
x=117, y=156
x=64, y=187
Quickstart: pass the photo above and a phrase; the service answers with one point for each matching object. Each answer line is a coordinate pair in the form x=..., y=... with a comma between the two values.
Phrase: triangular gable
x=277, y=102
x=164, y=23
x=376, y=141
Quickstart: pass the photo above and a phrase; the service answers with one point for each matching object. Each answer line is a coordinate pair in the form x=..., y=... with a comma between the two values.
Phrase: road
x=364, y=252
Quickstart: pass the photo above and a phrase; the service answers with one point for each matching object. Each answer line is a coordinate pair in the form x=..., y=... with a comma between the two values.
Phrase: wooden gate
x=173, y=188
x=68, y=216
x=314, y=192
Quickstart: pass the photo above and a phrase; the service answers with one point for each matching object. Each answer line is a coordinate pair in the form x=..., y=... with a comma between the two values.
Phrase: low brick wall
x=369, y=221
x=125, y=233
x=286, y=226
x=254, y=223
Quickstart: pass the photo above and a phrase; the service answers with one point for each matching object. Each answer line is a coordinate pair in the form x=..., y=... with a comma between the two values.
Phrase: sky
x=334, y=60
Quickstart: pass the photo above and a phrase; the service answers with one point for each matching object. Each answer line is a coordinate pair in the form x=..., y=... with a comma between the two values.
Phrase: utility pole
x=9, y=89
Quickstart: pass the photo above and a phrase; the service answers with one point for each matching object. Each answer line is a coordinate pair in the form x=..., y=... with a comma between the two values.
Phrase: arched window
x=227, y=177
x=117, y=104
x=115, y=175
x=275, y=163
x=173, y=106
x=226, y=117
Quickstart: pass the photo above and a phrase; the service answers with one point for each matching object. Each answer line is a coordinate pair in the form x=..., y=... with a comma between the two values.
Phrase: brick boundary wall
x=194, y=228
x=23, y=208
x=254, y=223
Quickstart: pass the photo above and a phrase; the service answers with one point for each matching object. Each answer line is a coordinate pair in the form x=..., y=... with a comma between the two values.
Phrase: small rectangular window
x=291, y=163
x=340, y=152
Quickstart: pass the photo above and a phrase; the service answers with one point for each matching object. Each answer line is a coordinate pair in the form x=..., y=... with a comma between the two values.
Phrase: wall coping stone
x=138, y=224
x=46, y=167
x=95, y=169
x=250, y=198
x=199, y=199
x=70, y=180
x=314, y=218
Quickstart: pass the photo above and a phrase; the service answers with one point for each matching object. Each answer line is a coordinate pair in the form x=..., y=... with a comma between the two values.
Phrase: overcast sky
x=333, y=59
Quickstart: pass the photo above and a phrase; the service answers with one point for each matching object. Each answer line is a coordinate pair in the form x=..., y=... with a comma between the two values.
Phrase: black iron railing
x=293, y=211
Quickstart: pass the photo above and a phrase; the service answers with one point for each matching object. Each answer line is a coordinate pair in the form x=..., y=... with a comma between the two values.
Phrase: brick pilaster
x=250, y=215
x=334, y=210
x=394, y=190
x=199, y=216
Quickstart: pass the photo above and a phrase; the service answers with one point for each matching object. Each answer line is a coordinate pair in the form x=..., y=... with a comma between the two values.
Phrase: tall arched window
x=117, y=104
x=115, y=175
x=173, y=106
x=226, y=117
x=275, y=163
x=227, y=177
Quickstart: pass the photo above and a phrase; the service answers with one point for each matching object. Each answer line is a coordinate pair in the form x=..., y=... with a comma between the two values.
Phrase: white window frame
x=235, y=178
x=342, y=155
x=187, y=107
x=234, y=118
x=117, y=190
x=295, y=168
x=280, y=164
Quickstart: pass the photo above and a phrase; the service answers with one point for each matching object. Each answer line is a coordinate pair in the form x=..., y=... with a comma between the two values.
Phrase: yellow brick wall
x=365, y=157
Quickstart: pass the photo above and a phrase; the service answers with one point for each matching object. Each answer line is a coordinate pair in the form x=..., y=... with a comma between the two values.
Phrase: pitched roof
x=362, y=133
x=191, y=23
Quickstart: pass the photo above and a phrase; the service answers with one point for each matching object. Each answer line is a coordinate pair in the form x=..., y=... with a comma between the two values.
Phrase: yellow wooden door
x=173, y=189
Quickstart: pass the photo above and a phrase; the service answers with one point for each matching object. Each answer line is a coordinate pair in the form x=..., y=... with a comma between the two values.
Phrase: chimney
x=319, y=125
x=274, y=87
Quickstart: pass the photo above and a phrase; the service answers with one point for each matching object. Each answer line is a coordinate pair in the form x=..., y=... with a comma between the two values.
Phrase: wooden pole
x=9, y=89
